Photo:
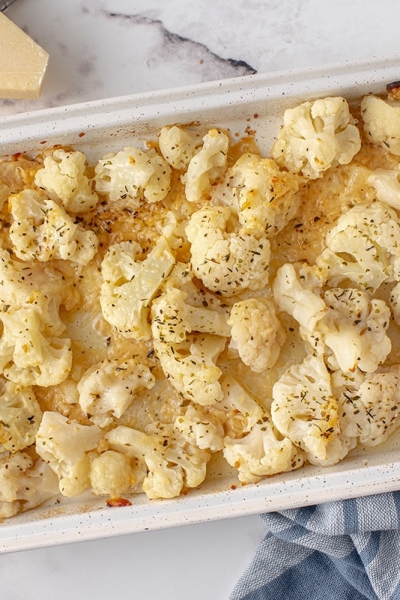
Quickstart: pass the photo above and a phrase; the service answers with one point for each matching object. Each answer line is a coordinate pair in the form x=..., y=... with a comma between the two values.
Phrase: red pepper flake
x=255, y=116
x=43, y=142
x=233, y=487
x=81, y=134
x=116, y=502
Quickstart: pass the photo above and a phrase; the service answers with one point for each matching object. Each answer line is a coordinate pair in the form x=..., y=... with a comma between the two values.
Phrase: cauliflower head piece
x=207, y=165
x=20, y=416
x=263, y=196
x=42, y=230
x=24, y=484
x=299, y=296
x=11, y=467
x=178, y=145
x=363, y=248
x=129, y=285
x=226, y=263
x=316, y=136
x=132, y=175
x=171, y=462
x=368, y=404
x=257, y=333
x=344, y=325
x=111, y=474
x=107, y=389
x=382, y=123
x=173, y=318
x=182, y=279
x=38, y=287
x=63, y=178
x=237, y=410
x=188, y=340
x=27, y=355
x=32, y=353
x=261, y=453
x=354, y=329
x=199, y=427
x=191, y=366
x=64, y=444
x=305, y=410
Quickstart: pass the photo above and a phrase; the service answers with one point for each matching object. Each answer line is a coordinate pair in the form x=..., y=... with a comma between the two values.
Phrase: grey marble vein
x=212, y=65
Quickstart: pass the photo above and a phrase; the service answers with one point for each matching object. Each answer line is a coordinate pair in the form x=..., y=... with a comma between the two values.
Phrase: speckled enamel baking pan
x=254, y=103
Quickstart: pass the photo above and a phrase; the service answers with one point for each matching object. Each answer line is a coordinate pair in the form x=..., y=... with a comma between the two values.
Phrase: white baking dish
x=254, y=103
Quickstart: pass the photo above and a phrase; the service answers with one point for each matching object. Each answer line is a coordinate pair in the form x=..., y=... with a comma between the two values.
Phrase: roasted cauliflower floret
x=382, y=123
x=129, y=285
x=298, y=296
x=369, y=404
x=198, y=426
x=43, y=289
x=107, y=389
x=263, y=196
x=162, y=480
x=42, y=230
x=261, y=453
x=316, y=136
x=32, y=353
x=354, y=329
x=178, y=145
x=182, y=278
x=227, y=263
x=132, y=175
x=63, y=177
x=171, y=462
x=257, y=333
x=64, y=444
x=24, y=484
x=363, y=247
x=305, y=411
x=188, y=340
x=173, y=318
x=111, y=474
x=12, y=467
x=251, y=443
x=206, y=166
x=343, y=322
x=238, y=410
x=27, y=355
x=191, y=366
x=20, y=416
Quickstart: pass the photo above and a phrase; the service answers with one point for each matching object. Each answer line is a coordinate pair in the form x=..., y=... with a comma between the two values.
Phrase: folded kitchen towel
x=347, y=550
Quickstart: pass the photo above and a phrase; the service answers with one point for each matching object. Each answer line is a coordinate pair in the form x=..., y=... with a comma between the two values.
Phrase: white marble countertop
x=104, y=48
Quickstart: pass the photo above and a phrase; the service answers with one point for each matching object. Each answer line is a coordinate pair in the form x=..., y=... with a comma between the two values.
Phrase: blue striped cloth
x=347, y=550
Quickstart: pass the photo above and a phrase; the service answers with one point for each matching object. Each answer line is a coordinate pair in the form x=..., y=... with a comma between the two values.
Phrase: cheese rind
x=23, y=62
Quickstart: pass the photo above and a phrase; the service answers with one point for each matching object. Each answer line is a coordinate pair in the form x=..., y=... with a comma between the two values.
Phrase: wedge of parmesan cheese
x=22, y=64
